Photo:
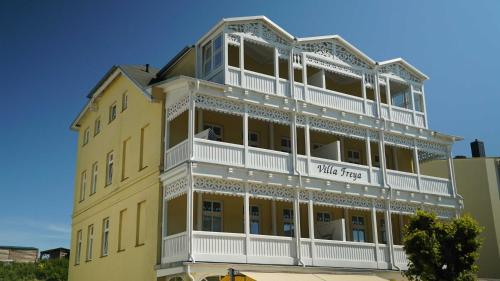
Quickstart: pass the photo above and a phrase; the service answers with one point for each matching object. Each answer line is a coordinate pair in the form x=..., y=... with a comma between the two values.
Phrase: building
x=478, y=181
x=57, y=253
x=251, y=149
x=18, y=254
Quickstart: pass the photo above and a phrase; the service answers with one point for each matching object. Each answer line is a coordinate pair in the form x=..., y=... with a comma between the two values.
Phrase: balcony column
x=189, y=214
x=451, y=173
x=388, y=232
x=416, y=163
x=375, y=231
x=296, y=225
x=166, y=141
x=388, y=96
x=363, y=92
x=246, y=207
x=412, y=97
x=323, y=79
x=347, y=229
x=308, y=145
x=245, y=136
x=277, y=72
x=191, y=119
x=310, y=214
x=273, y=219
x=242, y=62
x=424, y=107
x=376, y=90
x=304, y=77
x=369, y=155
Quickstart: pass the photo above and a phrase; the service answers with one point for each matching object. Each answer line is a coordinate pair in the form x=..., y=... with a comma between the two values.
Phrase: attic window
x=212, y=55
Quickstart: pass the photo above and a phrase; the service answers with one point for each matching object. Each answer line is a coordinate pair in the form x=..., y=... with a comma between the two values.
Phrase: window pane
x=216, y=207
x=254, y=227
x=207, y=206
x=217, y=224
x=218, y=43
x=207, y=223
x=217, y=59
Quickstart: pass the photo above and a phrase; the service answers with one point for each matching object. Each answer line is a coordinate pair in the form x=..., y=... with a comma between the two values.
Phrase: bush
x=50, y=270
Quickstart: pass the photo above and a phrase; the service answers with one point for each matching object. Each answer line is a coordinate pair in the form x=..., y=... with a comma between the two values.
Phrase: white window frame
x=351, y=156
x=93, y=180
x=97, y=126
x=323, y=217
x=109, y=167
x=105, y=237
x=288, y=221
x=213, y=214
x=205, y=57
x=212, y=126
x=255, y=218
x=357, y=226
x=251, y=142
x=90, y=242
x=86, y=136
x=288, y=148
x=79, y=237
x=112, y=112
x=83, y=185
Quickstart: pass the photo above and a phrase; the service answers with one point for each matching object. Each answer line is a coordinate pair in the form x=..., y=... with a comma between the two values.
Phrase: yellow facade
x=131, y=201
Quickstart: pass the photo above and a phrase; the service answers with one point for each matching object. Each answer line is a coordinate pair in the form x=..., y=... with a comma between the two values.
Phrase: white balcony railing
x=265, y=249
x=270, y=85
x=223, y=153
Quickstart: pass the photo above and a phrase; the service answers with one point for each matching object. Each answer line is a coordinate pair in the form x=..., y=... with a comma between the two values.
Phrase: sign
x=342, y=172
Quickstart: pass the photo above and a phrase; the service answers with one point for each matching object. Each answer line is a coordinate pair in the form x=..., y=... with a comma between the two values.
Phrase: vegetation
x=46, y=270
x=441, y=250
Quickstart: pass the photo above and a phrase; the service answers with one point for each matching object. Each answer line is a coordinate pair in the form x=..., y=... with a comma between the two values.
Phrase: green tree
x=50, y=270
x=441, y=250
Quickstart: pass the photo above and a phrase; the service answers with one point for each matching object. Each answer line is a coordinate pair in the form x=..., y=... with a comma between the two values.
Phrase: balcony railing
x=323, y=97
x=215, y=152
x=265, y=249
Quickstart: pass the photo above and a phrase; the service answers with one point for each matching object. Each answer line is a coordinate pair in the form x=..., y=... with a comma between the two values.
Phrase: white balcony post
x=363, y=92
x=304, y=77
x=416, y=163
x=189, y=216
x=376, y=90
x=308, y=145
x=323, y=79
x=375, y=231
x=311, y=226
x=369, y=155
x=225, y=51
x=273, y=219
x=388, y=96
x=199, y=211
x=347, y=229
x=382, y=160
x=191, y=119
x=388, y=231
x=412, y=97
x=424, y=107
x=296, y=227
x=166, y=141
x=242, y=62
x=451, y=173
x=245, y=136
x=246, y=206
x=277, y=72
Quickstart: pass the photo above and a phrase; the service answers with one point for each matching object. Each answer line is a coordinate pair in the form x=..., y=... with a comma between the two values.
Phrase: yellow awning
x=276, y=276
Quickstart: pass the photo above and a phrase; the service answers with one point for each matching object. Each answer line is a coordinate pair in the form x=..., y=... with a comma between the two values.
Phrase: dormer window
x=212, y=55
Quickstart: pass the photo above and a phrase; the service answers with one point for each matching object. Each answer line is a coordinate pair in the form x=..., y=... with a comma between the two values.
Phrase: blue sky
x=53, y=52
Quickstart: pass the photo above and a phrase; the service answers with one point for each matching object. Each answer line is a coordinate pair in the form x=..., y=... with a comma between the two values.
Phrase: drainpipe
x=188, y=273
x=294, y=153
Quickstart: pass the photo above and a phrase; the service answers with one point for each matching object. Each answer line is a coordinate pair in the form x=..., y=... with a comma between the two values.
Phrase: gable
x=400, y=69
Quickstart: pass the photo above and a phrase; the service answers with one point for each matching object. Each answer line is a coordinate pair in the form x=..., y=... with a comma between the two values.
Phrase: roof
x=18, y=248
x=57, y=249
x=407, y=65
x=171, y=63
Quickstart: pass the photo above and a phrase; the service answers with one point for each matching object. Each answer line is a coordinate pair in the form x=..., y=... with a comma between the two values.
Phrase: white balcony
x=278, y=250
x=222, y=153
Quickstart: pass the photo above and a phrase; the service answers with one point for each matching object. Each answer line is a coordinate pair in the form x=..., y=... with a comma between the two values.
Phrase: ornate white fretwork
x=333, y=67
x=214, y=185
x=337, y=128
x=268, y=114
x=218, y=104
x=440, y=211
x=177, y=108
x=397, y=70
x=262, y=33
x=436, y=148
x=401, y=141
x=280, y=193
x=175, y=189
x=344, y=55
x=404, y=207
x=324, y=49
x=233, y=39
x=345, y=201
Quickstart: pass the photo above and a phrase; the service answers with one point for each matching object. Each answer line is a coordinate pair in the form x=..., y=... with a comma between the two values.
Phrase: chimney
x=147, y=67
x=477, y=148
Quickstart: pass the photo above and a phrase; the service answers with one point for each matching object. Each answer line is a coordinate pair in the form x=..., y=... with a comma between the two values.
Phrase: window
x=97, y=126
x=253, y=139
x=212, y=216
x=90, y=241
x=141, y=148
x=105, y=237
x=93, y=187
x=286, y=145
x=78, y=246
x=83, y=185
x=418, y=101
x=124, y=159
x=323, y=217
x=123, y=214
x=383, y=235
x=216, y=130
x=124, y=101
x=316, y=145
x=212, y=55
x=109, y=168
x=86, y=136
x=288, y=228
x=254, y=220
x=353, y=156
x=141, y=224
x=112, y=112
x=358, y=229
